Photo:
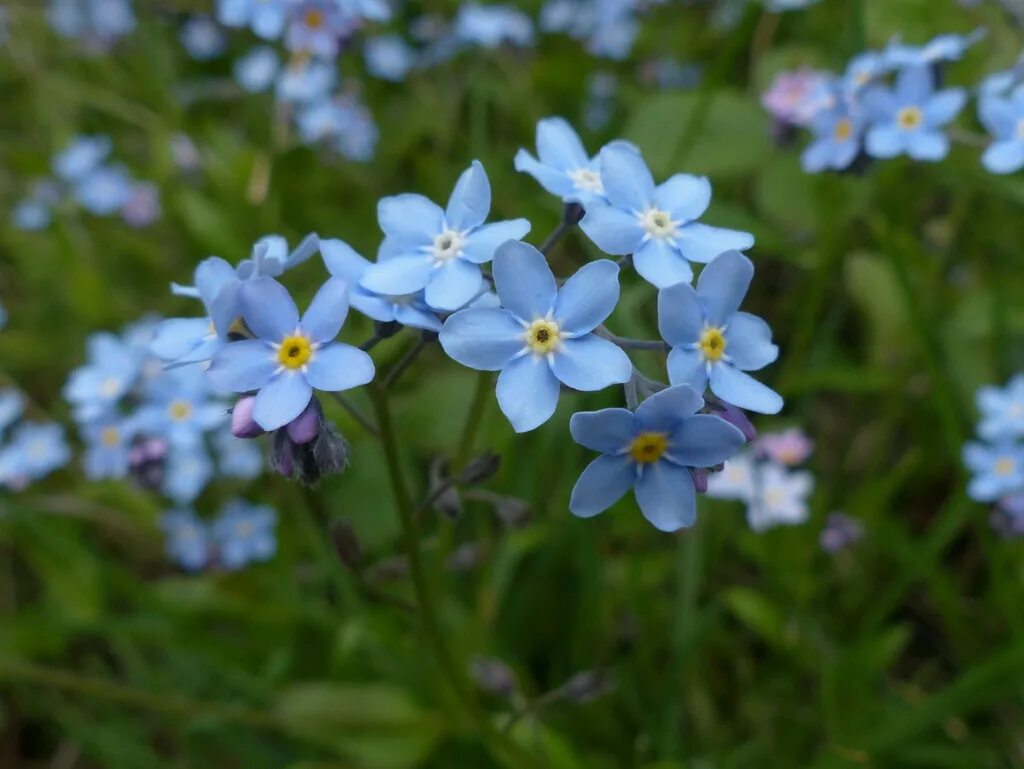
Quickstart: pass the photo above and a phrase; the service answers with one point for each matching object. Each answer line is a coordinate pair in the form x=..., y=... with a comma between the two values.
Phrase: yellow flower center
x=314, y=19
x=110, y=436
x=110, y=387
x=843, y=130
x=909, y=118
x=294, y=352
x=712, y=344
x=648, y=447
x=543, y=336
x=179, y=410
x=1005, y=466
x=243, y=530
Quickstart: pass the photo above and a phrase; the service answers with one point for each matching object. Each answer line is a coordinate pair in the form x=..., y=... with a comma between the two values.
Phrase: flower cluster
x=887, y=103
x=97, y=23
x=29, y=450
x=240, y=534
x=996, y=460
x=83, y=175
x=764, y=479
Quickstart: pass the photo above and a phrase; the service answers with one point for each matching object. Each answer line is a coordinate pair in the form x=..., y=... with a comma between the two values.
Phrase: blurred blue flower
x=789, y=5
x=316, y=27
x=142, y=207
x=99, y=21
x=237, y=457
x=656, y=224
x=265, y=17
x=290, y=357
x=542, y=336
x=908, y=119
x=244, y=533
x=108, y=443
x=12, y=406
x=441, y=250
x=257, y=70
x=651, y=451
x=82, y=156
x=203, y=38
x=942, y=48
x=306, y=80
x=998, y=470
x=389, y=57
x=712, y=341
x=111, y=369
x=181, y=408
x=1002, y=410
x=837, y=140
x=342, y=261
x=370, y=10
x=863, y=70
x=31, y=214
x=599, y=105
x=41, y=448
x=104, y=191
x=186, y=473
x=492, y=25
x=188, y=539
x=1004, y=119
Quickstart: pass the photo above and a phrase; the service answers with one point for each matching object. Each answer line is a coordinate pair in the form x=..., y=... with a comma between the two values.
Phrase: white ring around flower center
x=658, y=223
x=448, y=245
x=587, y=179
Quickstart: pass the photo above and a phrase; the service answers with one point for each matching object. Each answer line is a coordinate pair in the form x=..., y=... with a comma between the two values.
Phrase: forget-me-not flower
x=542, y=336
x=108, y=443
x=998, y=469
x=491, y=25
x=388, y=57
x=656, y=224
x=712, y=341
x=257, y=70
x=112, y=369
x=104, y=191
x=290, y=357
x=244, y=533
x=203, y=38
x=188, y=539
x=186, y=473
x=316, y=27
x=651, y=451
x=837, y=140
x=909, y=118
x=1002, y=410
x=949, y=47
x=441, y=250
x=1004, y=119
x=237, y=457
x=42, y=448
x=82, y=156
x=265, y=17
x=181, y=408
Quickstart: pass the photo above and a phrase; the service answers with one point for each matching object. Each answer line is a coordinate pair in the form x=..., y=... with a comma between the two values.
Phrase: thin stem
x=473, y=419
x=570, y=218
x=356, y=414
x=631, y=344
x=399, y=368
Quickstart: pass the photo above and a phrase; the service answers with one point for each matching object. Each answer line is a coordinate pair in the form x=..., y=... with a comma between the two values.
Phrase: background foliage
x=893, y=295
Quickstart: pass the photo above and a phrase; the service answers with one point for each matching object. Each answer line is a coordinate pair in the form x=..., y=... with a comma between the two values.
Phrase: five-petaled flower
x=712, y=341
x=998, y=470
x=541, y=336
x=653, y=452
x=289, y=358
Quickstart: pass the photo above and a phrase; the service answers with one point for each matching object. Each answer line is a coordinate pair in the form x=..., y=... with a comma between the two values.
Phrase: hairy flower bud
x=493, y=676
x=325, y=453
x=242, y=423
x=480, y=469
x=700, y=479
x=306, y=426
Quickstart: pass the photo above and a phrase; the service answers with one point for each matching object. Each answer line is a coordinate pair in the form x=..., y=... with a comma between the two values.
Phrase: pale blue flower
x=653, y=452
x=909, y=118
x=656, y=224
x=316, y=27
x=110, y=372
x=188, y=539
x=948, y=47
x=237, y=457
x=12, y=406
x=388, y=57
x=290, y=357
x=104, y=191
x=82, y=156
x=441, y=250
x=863, y=70
x=181, y=408
x=1002, y=410
x=99, y=21
x=108, y=443
x=186, y=474
x=257, y=70
x=305, y=81
x=492, y=25
x=542, y=337
x=31, y=214
x=837, y=140
x=142, y=207
x=42, y=448
x=712, y=341
x=203, y=38
x=1003, y=117
x=244, y=533
x=998, y=470
x=265, y=17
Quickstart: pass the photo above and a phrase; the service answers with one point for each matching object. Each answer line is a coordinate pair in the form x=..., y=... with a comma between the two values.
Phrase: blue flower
x=542, y=336
x=388, y=57
x=837, y=139
x=1004, y=119
x=244, y=533
x=342, y=121
x=942, y=48
x=1002, y=410
x=656, y=224
x=188, y=539
x=651, y=451
x=908, y=119
x=441, y=250
x=181, y=408
x=265, y=17
x=492, y=25
x=342, y=261
x=289, y=357
x=186, y=473
x=203, y=38
x=257, y=70
x=306, y=80
x=998, y=470
x=108, y=443
x=863, y=70
x=82, y=156
x=316, y=28
x=104, y=191
x=95, y=20
x=237, y=457
x=712, y=341
x=12, y=406
x=31, y=214
x=111, y=370
x=41, y=448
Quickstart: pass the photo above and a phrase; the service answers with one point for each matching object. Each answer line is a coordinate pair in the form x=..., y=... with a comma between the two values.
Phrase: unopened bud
x=306, y=426
x=325, y=453
x=242, y=423
x=737, y=418
x=480, y=469
x=346, y=544
x=493, y=676
x=587, y=686
x=700, y=479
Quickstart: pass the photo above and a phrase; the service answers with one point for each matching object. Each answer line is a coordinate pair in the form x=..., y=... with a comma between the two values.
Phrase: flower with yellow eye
x=181, y=407
x=244, y=533
x=998, y=469
x=712, y=342
x=289, y=357
x=108, y=443
x=652, y=451
x=542, y=336
x=1002, y=410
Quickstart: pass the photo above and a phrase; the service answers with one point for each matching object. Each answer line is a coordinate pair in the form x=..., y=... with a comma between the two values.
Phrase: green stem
x=473, y=419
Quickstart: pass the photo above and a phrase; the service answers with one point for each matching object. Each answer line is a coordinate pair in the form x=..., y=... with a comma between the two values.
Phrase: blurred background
x=894, y=292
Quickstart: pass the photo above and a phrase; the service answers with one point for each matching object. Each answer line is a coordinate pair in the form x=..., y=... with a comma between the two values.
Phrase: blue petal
x=483, y=339
x=309, y=246
x=176, y=337
x=1004, y=157
x=687, y=367
x=885, y=141
x=339, y=366
x=627, y=180
x=527, y=392
x=484, y=241
x=944, y=106
x=410, y=219
x=666, y=409
x=398, y=275
x=914, y=84
x=601, y=485
x=702, y=243
x=326, y=313
x=588, y=297
x=704, y=441
x=453, y=285
x=680, y=315
x=590, y=363
x=281, y=400
x=928, y=145
x=660, y=264
x=524, y=281
x=210, y=276
x=613, y=230
x=243, y=366
x=554, y=181
x=342, y=261
x=684, y=196
x=748, y=342
x=723, y=284
x=608, y=430
x=227, y=307
x=559, y=146
x=999, y=116
x=733, y=386
x=372, y=305
x=470, y=201
x=666, y=496
x=268, y=309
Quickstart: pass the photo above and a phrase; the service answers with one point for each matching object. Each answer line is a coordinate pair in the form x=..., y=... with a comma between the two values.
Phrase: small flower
x=112, y=369
x=244, y=533
x=998, y=470
x=712, y=341
x=203, y=38
x=491, y=25
x=41, y=448
x=257, y=70
x=104, y=191
x=790, y=447
x=388, y=57
x=265, y=17
x=798, y=97
x=652, y=451
x=840, y=532
x=780, y=497
x=541, y=336
x=306, y=81
x=656, y=224
x=1002, y=410
x=1004, y=119
x=236, y=457
x=181, y=408
x=907, y=119
x=290, y=357
x=735, y=480
x=316, y=28
x=440, y=250
x=108, y=447
x=837, y=140
x=188, y=539
x=185, y=473
x=948, y=47
x=82, y=156
x=12, y=406
x=142, y=207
